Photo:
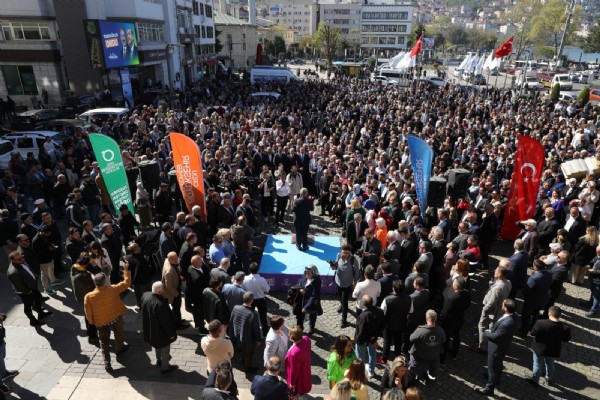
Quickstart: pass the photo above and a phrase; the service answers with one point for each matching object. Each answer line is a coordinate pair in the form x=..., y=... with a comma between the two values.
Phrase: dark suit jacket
x=409, y=255
x=373, y=247
x=158, y=325
x=501, y=334
x=351, y=238
x=268, y=387
x=559, y=272
x=577, y=230
x=531, y=244
x=302, y=208
x=461, y=240
x=517, y=270
x=395, y=249
x=455, y=305
x=196, y=283
x=549, y=336
x=536, y=289
x=21, y=280
x=546, y=232
x=386, y=282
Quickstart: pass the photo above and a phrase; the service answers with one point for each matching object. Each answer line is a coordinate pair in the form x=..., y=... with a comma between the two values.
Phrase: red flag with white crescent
x=417, y=47
x=505, y=49
x=524, y=186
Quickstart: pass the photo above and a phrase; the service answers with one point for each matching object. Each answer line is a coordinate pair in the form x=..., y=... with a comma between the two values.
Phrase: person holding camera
x=303, y=205
x=347, y=272
x=4, y=373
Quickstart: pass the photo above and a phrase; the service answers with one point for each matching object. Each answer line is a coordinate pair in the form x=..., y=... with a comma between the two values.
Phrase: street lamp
x=169, y=47
x=570, y=12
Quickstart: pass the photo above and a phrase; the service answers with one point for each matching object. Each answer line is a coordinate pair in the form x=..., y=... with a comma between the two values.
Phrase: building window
x=209, y=32
x=209, y=11
x=197, y=31
x=244, y=46
x=150, y=32
x=195, y=8
x=26, y=30
x=400, y=39
x=19, y=79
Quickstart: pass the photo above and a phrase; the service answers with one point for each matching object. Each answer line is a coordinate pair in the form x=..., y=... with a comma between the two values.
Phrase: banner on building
x=524, y=186
x=421, y=158
x=111, y=166
x=188, y=167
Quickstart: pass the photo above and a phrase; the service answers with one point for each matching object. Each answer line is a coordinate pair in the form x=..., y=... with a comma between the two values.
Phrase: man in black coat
x=547, y=229
x=386, y=281
x=303, y=205
x=549, y=335
x=198, y=277
x=371, y=251
x=112, y=244
x=456, y=303
x=369, y=327
x=409, y=252
x=158, y=326
x=213, y=303
x=395, y=308
x=560, y=273
x=270, y=386
x=24, y=283
x=355, y=232
x=141, y=271
x=499, y=340
x=245, y=327
x=575, y=226
x=75, y=245
x=163, y=204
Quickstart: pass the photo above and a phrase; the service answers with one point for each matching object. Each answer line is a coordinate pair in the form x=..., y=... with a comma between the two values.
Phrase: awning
x=210, y=63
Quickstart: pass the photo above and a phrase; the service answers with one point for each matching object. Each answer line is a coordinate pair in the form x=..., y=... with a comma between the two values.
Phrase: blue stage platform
x=283, y=264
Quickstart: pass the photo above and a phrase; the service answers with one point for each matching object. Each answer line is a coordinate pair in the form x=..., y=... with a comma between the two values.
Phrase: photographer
x=4, y=373
x=346, y=275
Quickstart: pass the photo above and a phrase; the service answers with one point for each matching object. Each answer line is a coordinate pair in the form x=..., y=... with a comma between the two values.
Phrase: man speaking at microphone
x=303, y=205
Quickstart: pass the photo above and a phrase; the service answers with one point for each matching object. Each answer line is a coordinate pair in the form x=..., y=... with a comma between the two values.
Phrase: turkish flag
x=524, y=186
x=505, y=49
x=417, y=47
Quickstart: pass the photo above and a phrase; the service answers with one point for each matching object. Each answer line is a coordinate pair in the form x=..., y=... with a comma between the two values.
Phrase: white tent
x=464, y=63
x=479, y=66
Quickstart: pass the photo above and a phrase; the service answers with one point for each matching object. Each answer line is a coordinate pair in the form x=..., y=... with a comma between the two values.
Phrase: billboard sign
x=428, y=43
x=119, y=44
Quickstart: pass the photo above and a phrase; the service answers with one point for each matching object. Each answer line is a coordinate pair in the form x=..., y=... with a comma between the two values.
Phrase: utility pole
x=570, y=11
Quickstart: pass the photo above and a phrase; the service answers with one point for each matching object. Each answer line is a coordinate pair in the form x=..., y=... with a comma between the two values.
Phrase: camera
x=333, y=264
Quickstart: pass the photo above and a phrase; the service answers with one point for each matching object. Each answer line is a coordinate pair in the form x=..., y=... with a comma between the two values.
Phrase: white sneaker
x=369, y=374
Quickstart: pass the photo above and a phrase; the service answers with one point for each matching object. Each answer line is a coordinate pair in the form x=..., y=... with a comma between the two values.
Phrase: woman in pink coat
x=297, y=363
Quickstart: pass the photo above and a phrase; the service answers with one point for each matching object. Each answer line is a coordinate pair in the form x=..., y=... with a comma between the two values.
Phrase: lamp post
x=525, y=76
x=570, y=11
x=169, y=47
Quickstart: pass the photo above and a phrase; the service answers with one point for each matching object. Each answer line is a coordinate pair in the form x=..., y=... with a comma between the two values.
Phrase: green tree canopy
x=592, y=41
x=327, y=39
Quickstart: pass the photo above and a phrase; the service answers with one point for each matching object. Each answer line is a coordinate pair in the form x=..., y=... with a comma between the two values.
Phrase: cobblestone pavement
x=56, y=362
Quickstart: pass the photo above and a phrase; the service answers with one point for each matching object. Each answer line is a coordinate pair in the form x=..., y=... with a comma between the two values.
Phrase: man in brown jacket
x=104, y=309
x=170, y=278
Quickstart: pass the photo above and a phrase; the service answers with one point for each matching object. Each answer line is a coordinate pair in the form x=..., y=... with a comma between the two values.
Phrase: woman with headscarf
x=309, y=301
x=381, y=232
x=142, y=202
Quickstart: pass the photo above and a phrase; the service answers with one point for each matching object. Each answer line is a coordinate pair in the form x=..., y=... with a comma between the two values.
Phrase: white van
x=102, y=114
x=564, y=80
x=272, y=74
x=25, y=142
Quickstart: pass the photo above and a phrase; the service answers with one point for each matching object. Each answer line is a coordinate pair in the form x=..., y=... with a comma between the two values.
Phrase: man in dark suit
x=302, y=208
x=575, y=226
x=409, y=252
x=395, y=308
x=549, y=335
x=452, y=316
x=270, y=386
x=355, y=232
x=444, y=223
x=371, y=250
x=198, y=277
x=547, y=229
x=245, y=327
x=535, y=295
x=570, y=191
x=393, y=245
x=386, y=281
x=463, y=235
x=24, y=283
x=530, y=238
x=158, y=326
x=499, y=340
x=517, y=270
x=132, y=50
x=560, y=272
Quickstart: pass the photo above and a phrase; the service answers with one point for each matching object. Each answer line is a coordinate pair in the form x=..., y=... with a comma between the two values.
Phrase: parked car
x=75, y=105
x=567, y=97
x=530, y=82
x=436, y=81
x=65, y=126
x=28, y=119
x=99, y=115
x=595, y=95
x=477, y=79
x=384, y=80
x=23, y=143
x=494, y=72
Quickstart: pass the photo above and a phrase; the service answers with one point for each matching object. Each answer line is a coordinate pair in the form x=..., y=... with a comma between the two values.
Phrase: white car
x=436, y=81
x=531, y=82
x=384, y=80
x=25, y=142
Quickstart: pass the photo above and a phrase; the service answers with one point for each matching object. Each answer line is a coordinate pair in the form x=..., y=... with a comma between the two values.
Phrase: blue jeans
x=595, y=298
x=537, y=364
x=3, y=370
x=367, y=354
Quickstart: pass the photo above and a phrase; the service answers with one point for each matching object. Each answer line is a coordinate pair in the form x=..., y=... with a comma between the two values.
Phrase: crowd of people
x=335, y=149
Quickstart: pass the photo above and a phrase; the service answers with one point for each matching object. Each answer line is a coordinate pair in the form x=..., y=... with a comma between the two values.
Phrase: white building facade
x=299, y=16
x=385, y=25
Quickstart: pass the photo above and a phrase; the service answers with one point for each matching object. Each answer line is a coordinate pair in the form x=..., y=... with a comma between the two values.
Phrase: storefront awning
x=210, y=63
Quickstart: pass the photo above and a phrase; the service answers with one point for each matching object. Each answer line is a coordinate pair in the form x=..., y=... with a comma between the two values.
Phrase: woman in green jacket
x=339, y=360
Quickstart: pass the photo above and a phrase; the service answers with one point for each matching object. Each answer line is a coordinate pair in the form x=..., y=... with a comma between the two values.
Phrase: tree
x=521, y=16
x=218, y=45
x=592, y=41
x=278, y=45
x=549, y=23
x=555, y=93
x=458, y=36
x=305, y=42
x=415, y=34
x=327, y=40
x=584, y=96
